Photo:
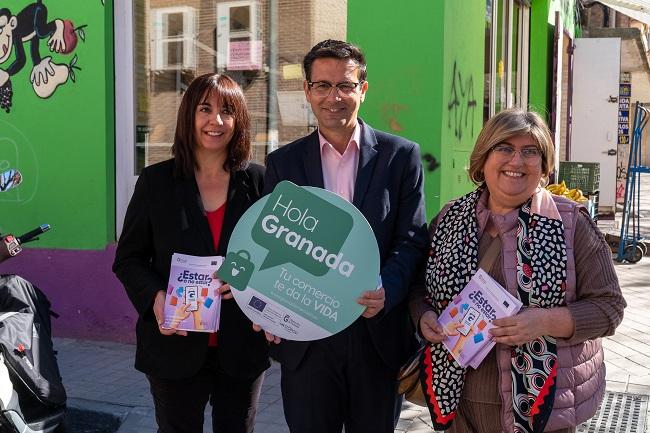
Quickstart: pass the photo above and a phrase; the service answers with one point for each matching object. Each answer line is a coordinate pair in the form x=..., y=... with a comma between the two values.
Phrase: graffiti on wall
x=29, y=30
x=461, y=107
x=390, y=114
x=431, y=163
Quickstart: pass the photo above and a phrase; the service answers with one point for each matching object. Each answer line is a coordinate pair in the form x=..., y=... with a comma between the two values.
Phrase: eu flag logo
x=257, y=303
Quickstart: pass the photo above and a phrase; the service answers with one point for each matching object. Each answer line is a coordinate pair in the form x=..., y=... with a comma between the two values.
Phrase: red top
x=215, y=220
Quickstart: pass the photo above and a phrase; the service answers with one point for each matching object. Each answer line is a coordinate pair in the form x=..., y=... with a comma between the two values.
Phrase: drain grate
x=618, y=413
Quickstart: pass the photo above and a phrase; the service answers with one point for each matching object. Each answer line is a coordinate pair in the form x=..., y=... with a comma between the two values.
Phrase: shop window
x=173, y=38
x=506, y=60
x=239, y=44
x=174, y=41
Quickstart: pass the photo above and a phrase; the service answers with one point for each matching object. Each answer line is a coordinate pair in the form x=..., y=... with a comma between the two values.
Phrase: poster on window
x=244, y=55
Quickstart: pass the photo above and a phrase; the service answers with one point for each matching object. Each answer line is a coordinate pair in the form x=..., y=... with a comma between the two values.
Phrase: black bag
x=29, y=357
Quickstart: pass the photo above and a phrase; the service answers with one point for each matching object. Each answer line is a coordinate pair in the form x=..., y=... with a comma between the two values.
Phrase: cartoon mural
x=31, y=26
x=18, y=151
x=74, y=127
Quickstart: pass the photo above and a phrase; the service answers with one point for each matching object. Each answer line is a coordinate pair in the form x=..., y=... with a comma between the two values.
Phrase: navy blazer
x=165, y=216
x=389, y=192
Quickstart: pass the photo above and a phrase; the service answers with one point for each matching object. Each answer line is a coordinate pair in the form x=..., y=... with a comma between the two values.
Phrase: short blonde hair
x=502, y=127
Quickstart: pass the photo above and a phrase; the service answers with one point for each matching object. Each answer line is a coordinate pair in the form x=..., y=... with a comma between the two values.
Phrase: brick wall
x=302, y=23
x=594, y=17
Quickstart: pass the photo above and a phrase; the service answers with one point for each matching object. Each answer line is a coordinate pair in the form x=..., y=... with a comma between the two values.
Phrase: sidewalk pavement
x=99, y=376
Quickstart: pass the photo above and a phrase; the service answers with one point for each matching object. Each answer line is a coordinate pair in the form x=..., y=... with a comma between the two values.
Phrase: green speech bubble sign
x=298, y=227
x=291, y=292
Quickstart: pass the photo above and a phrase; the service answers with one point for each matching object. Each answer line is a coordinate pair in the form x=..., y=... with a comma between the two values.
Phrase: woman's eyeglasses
x=531, y=155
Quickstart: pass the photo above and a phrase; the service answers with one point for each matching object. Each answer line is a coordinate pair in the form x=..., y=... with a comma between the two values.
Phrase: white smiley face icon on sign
x=234, y=270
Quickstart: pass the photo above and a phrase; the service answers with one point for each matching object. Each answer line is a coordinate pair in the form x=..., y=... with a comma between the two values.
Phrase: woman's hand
x=531, y=323
x=430, y=329
x=159, y=312
x=225, y=291
x=521, y=328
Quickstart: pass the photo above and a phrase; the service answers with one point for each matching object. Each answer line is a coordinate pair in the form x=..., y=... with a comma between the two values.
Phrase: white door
x=594, y=134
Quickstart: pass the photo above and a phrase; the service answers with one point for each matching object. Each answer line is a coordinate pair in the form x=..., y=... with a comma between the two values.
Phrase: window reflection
x=506, y=55
x=177, y=40
x=240, y=21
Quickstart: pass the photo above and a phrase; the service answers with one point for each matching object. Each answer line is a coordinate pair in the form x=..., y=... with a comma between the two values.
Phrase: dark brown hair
x=201, y=88
x=331, y=48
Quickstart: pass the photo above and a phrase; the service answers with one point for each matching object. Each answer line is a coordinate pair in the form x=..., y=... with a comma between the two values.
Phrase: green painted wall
x=541, y=59
x=413, y=90
x=64, y=144
x=463, y=83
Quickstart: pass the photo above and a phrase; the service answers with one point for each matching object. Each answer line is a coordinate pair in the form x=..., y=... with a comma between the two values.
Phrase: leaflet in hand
x=468, y=319
x=192, y=302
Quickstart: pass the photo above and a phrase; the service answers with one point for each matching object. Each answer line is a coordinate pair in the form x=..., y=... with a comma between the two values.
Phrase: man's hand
x=269, y=337
x=373, y=301
x=430, y=328
x=159, y=312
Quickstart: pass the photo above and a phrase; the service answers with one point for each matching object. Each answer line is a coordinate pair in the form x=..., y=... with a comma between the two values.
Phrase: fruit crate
x=581, y=175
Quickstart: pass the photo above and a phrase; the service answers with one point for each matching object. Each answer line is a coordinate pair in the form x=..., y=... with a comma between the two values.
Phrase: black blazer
x=165, y=216
x=389, y=193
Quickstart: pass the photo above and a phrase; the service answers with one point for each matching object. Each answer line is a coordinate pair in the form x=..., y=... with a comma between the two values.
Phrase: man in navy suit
x=349, y=379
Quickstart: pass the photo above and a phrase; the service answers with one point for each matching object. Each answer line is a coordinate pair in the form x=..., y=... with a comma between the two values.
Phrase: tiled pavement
x=100, y=375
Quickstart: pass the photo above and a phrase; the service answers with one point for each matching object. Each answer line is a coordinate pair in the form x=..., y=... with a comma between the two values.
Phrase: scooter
x=32, y=396
x=11, y=245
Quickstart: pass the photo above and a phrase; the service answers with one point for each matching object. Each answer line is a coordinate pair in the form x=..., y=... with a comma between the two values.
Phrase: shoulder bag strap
x=490, y=256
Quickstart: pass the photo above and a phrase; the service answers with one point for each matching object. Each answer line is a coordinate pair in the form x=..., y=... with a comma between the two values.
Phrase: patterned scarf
x=541, y=277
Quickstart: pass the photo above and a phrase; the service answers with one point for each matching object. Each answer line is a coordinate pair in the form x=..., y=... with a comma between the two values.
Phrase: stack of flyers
x=468, y=319
x=192, y=302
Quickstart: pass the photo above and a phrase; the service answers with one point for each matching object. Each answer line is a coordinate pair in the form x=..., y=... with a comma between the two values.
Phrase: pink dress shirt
x=340, y=170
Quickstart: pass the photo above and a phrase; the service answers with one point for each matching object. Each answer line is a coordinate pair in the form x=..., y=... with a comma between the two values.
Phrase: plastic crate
x=581, y=175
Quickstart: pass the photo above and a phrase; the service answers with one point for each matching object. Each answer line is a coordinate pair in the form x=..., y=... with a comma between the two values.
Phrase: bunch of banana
x=558, y=188
x=561, y=189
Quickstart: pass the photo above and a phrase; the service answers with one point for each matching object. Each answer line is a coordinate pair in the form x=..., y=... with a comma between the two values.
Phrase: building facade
x=436, y=72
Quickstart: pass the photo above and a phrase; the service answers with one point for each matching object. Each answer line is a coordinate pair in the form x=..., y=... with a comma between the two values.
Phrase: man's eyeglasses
x=323, y=88
x=531, y=155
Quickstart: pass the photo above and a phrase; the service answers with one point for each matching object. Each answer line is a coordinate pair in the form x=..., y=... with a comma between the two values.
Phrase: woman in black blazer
x=184, y=205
